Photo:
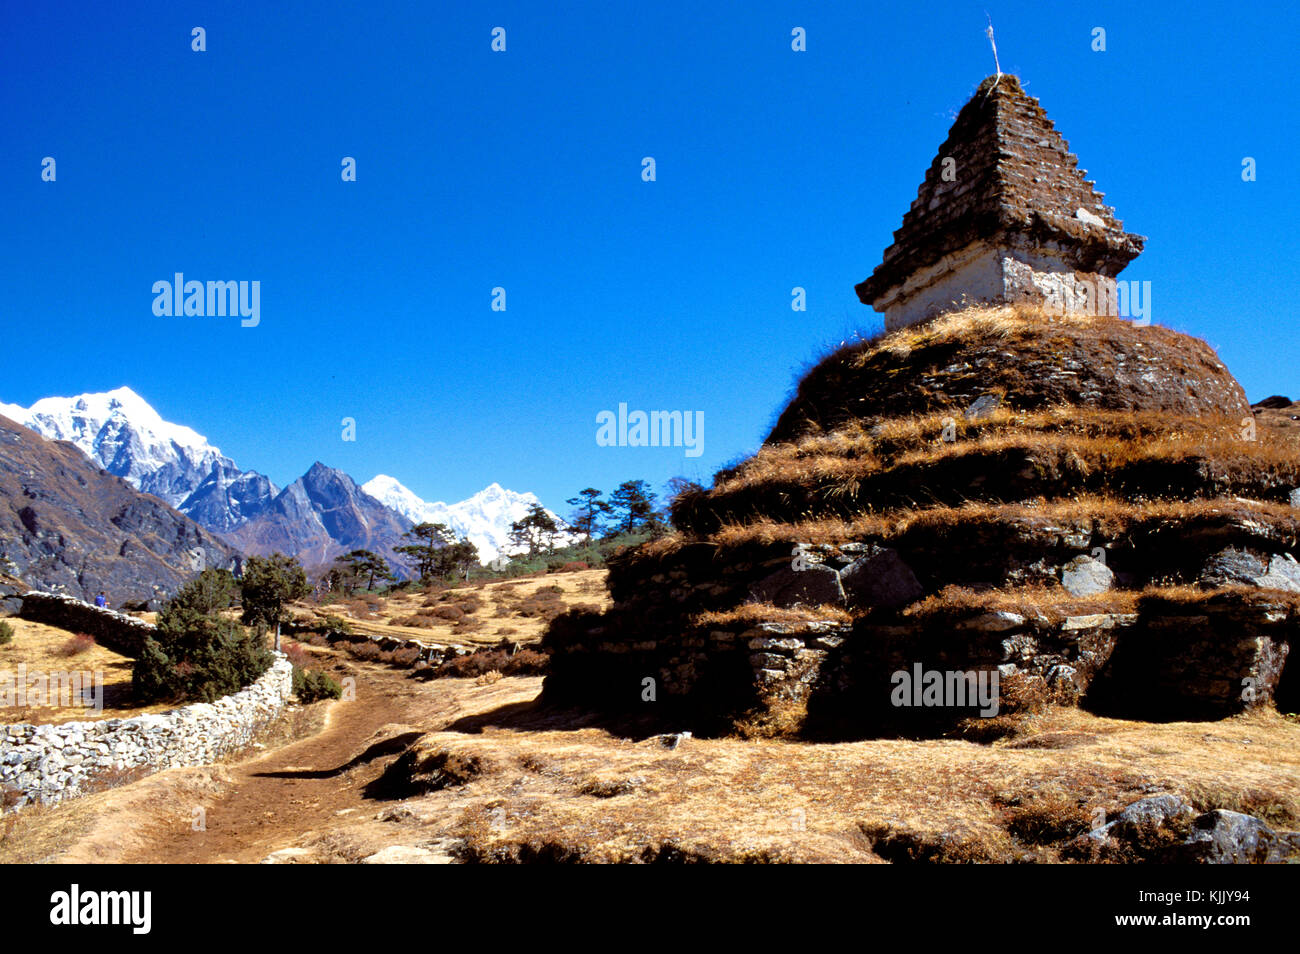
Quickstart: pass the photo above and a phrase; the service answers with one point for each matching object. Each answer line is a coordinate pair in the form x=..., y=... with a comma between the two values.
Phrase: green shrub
x=6, y=632
x=196, y=658
x=210, y=592
x=335, y=624
x=312, y=685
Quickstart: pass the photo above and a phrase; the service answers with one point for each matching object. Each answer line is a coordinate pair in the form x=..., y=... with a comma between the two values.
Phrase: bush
x=413, y=622
x=210, y=592
x=312, y=685
x=296, y=654
x=6, y=632
x=473, y=665
x=526, y=662
x=335, y=624
x=546, y=609
x=76, y=645
x=196, y=658
x=406, y=656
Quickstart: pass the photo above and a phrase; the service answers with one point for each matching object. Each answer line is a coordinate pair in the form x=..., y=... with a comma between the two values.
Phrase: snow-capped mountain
x=484, y=518
x=121, y=432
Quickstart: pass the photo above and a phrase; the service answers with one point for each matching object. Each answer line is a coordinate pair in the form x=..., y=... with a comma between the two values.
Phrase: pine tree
x=590, y=510
x=430, y=539
x=365, y=565
x=267, y=586
x=535, y=529
x=633, y=505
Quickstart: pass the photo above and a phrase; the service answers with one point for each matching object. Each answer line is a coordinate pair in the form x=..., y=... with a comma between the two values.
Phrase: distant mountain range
x=69, y=526
x=484, y=519
x=316, y=518
x=320, y=516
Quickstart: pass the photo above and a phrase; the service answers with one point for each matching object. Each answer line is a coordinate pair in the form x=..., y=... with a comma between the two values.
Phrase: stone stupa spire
x=1004, y=215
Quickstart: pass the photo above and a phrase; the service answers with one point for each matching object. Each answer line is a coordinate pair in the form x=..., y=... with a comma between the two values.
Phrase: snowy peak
x=121, y=431
x=484, y=518
x=114, y=425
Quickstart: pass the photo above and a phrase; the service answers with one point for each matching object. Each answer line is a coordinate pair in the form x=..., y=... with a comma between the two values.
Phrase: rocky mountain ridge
x=69, y=526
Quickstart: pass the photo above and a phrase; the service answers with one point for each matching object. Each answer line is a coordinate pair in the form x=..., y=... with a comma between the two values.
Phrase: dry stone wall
x=1151, y=657
x=51, y=763
x=116, y=631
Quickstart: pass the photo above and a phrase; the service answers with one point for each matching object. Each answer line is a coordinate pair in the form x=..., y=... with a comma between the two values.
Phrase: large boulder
x=1229, y=566
x=880, y=578
x=1222, y=837
x=814, y=585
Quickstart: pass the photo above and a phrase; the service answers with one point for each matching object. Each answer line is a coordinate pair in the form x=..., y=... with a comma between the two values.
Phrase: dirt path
x=306, y=785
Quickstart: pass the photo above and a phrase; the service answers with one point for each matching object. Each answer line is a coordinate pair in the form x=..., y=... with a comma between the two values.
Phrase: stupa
x=1026, y=486
x=1004, y=215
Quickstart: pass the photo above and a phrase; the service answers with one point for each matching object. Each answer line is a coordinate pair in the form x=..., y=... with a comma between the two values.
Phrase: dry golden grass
x=39, y=648
x=754, y=613
x=1054, y=603
x=1021, y=353
x=1106, y=514
x=587, y=795
x=412, y=615
x=1099, y=439
x=981, y=321
x=1048, y=603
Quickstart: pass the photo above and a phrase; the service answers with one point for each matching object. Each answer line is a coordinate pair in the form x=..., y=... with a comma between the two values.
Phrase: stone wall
x=1156, y=656
x=50, y=763
x=116, y=631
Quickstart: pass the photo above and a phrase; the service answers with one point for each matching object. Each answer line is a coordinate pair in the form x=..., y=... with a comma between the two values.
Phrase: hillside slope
x=68, y=525
x=320, y=516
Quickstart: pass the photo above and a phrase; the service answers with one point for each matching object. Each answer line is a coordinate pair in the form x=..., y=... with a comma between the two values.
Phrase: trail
x=304, y=786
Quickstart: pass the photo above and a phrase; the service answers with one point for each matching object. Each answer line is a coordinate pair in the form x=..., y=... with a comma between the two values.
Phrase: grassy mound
x=1131, y=451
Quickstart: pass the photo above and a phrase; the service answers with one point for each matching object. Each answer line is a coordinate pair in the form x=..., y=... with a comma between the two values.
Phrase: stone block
x=880, y=579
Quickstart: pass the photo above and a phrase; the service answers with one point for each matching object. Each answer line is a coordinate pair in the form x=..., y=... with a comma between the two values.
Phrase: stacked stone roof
x=1015, y=184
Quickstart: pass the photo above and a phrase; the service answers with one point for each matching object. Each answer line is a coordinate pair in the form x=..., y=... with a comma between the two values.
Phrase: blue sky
x=522, y=170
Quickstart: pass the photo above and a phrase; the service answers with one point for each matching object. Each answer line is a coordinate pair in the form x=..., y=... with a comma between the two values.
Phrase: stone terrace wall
x=116, y=631
x=50, y=763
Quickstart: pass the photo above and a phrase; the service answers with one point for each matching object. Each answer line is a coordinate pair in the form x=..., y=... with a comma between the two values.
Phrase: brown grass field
x=517, y=610
x=41, y=649
x=480, y=772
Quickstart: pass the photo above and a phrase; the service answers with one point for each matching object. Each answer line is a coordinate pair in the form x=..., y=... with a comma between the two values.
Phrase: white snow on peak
x=484, y=519
x=120, y=431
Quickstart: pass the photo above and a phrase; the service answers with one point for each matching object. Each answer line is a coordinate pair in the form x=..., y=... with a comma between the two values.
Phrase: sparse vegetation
x=193, y=657
x=77, y=645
